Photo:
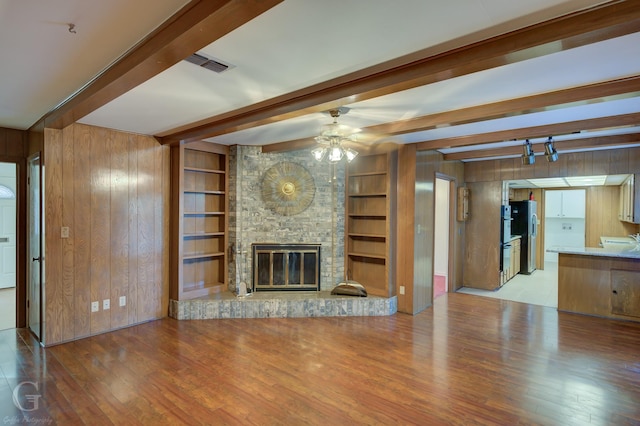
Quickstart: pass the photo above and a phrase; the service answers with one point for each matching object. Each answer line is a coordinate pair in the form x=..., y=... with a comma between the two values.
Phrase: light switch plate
x=95, y=306
x=123, y=300
x=106, y=304
x=64, y=232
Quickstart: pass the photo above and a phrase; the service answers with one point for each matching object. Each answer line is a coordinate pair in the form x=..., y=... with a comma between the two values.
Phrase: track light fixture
x=528, y=157
x=549, y=151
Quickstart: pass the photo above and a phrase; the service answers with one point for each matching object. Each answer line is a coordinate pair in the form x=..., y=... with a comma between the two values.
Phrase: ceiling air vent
x=210, y=64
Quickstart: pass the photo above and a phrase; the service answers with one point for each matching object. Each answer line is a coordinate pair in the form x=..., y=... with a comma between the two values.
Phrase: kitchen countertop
x=620, y=252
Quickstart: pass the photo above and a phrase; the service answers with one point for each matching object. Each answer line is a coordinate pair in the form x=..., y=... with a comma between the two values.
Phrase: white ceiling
x=296, y=44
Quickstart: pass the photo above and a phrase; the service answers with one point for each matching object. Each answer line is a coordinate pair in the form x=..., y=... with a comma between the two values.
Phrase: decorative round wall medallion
x=288, y=188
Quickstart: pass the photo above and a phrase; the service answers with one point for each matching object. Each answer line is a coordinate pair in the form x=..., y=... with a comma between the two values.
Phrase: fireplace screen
x=286, y=267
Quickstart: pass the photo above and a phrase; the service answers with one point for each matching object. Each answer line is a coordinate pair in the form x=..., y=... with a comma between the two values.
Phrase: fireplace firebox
x=283, y=267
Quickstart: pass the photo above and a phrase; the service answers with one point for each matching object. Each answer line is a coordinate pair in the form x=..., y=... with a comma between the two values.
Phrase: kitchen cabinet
x=628, y=211
x=568, y=203
x=513, y=268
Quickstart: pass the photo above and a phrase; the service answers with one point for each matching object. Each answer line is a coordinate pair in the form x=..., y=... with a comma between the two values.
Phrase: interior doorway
x=35, y=232
x=8, y=234
x=442, y=235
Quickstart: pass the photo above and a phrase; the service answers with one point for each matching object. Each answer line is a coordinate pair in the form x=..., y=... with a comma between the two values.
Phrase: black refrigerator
x=525, y=223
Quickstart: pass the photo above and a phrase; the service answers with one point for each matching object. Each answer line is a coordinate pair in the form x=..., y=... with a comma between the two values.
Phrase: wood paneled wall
x=606, y=162
x=112, y=190
x=602, y=215
x=416, y=198
x=486, y=178
x=482, y=252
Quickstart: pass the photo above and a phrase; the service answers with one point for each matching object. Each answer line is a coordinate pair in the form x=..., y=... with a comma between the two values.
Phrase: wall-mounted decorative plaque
x=288, y=188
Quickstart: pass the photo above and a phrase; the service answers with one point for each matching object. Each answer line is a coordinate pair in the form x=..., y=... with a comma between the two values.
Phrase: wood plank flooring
x=468, y=360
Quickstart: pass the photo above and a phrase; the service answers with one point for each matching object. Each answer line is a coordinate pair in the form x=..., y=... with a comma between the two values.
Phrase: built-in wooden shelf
x=204, y=192
x=204, y=234
x=202, y=256
x=370, y=194
x=201, y=170
x=199, y=220
x=356, y=235
x=372, y=256
x=203, y=213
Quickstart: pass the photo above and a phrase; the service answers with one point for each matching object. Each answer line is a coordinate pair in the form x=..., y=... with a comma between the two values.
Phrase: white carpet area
x=7, y=308
x=539, y=288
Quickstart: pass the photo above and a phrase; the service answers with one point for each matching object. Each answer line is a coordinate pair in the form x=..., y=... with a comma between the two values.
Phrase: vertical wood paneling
x=119, y=217
x=68, y=279
x=159, y=224
x=54, y=321
x=634, y=160
x=112, y=190
x=600, y=161
x=405, y=226
x=132, y=296
x=146, y=227
x=506, y=169
x=100, y=142
x=3, y=139
x=164, y=171
x=617, y=161
x=80, y=227
x=602, y=215
x=481, y=265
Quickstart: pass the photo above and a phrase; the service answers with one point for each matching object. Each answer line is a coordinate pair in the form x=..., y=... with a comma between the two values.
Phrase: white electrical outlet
x=123, y=300
x=64, y=232
x=401, y=289
x=106, y=304
x=95, y=306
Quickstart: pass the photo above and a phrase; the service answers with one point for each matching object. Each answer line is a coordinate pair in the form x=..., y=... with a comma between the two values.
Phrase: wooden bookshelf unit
x=370, y=200
x=199, y=220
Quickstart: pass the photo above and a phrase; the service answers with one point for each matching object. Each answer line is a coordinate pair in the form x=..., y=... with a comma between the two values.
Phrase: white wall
x=441, y=232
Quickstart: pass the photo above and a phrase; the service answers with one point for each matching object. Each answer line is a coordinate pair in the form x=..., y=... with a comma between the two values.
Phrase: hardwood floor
x=467, y=360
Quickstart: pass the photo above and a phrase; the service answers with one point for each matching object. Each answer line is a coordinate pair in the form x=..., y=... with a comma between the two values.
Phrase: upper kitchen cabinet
x=568, y=203
x=628, y=211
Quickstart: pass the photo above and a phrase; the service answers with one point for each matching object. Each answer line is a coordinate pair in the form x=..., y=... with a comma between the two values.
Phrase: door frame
x=27, y=269
x=451, y=232
x=21, y=235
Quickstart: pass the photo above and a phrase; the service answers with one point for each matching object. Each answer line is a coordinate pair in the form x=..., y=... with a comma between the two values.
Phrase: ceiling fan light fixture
x=331, y=140
x=319, y=153
x=350, y=154
x=335, y=154
x=528, y=156
x=550, y=151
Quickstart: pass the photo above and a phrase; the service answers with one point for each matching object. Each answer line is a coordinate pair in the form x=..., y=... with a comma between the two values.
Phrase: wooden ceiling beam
x=591, y=93
x=560, y=146
x=603, y=22
x=533, y=132
x=195, y=26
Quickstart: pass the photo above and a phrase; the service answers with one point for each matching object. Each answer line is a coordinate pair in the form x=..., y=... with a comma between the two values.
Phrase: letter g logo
x=32, y=399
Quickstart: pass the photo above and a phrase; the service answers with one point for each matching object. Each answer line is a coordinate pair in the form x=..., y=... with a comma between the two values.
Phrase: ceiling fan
x=338, y=141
